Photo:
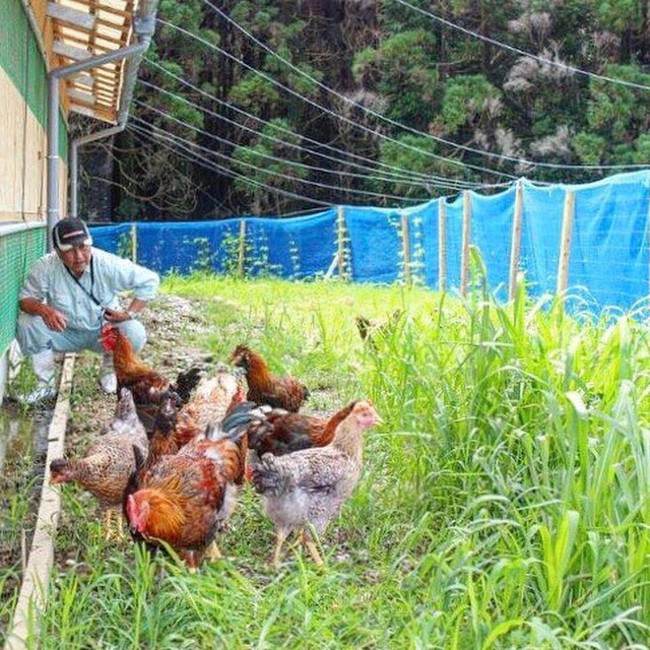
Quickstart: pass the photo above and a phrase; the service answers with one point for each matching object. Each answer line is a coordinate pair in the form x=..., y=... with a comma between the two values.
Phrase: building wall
x=23, y=121
x=23, y=158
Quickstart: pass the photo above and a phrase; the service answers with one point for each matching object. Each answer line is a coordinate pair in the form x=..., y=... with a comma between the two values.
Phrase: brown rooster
x=279, y=432
x=264, y=387
x=186, y=499
x=147, y=385
x=308, y=488
x=105, y=469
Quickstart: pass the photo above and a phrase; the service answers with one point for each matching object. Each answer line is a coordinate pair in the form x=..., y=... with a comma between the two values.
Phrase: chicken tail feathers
x=186, y=382
x=236, y=424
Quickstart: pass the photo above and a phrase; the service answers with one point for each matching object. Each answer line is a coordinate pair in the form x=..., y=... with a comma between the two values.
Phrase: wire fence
x=20, y=247
x=593, y=237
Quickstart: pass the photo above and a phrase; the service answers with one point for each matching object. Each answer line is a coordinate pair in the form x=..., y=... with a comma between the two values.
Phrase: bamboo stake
x=134, y=242
x=467, y=233
x=340, y=232
x=406, y=248
x=515, y=247
x=442, y=245
x=242, y=248
x=565, y=244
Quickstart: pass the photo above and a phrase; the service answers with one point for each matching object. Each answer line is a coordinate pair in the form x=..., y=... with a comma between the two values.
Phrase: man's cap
x=70, y=232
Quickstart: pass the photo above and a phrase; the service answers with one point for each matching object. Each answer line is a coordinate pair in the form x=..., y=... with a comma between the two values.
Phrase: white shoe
x=44, y=366
x=44, y=369
x=108, y=382
x=107, y=378
x=44, y=393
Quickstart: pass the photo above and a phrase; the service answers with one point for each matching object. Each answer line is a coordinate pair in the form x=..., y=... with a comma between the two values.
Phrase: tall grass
x=505, y=501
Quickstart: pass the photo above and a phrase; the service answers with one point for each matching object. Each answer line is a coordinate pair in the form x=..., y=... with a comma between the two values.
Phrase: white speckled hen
x=308, y=487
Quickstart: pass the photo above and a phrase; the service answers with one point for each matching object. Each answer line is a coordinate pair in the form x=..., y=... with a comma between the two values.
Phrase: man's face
x=76, y=259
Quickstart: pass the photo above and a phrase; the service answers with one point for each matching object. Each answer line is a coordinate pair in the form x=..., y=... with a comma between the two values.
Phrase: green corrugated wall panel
x=18, y=251
x=21, y=59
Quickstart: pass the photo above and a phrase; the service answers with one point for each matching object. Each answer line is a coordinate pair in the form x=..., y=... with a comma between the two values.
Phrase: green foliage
x=263, y=162
x=589, y=147
x=410, y=157
x=402, y=69
x=619, y=110
x=617, y=13
x=466, y=97
x=255, y=94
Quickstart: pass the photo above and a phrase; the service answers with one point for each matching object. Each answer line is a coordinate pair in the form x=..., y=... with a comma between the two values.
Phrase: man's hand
x=54, y=319
x=114, y=316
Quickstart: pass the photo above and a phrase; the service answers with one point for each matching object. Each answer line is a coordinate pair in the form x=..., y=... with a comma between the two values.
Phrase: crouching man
x=67, y=298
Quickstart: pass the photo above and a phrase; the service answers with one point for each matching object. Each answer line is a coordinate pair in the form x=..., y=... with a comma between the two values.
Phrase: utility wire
x=343, y=118
x=397, y=171
x=421, y=180
x=430, y=136
x=210, y=164
x=512, y=48
x=212, y=136
x=294, y=179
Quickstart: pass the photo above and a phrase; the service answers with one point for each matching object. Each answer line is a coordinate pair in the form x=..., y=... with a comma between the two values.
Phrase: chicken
x=307, y=488
x=215, y=398
x=148, y=386
x=370, y=331
x=186, y=499
x=105, y=469
x=266, y=388
x=279, y=432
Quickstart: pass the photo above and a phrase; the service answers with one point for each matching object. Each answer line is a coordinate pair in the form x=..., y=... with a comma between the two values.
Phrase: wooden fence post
x=134, y=242
x=242, y=248
x=515, y=245
x=442, y=244
x=565, y=243
x=340, y=238
x=406, y=247
x=467, y=234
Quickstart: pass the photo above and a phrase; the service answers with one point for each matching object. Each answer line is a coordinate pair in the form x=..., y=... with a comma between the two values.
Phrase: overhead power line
x=404, y=145
x=210, y=164
x=425, y=185
x=294, y=179
x=380, y=116
x=371, y=166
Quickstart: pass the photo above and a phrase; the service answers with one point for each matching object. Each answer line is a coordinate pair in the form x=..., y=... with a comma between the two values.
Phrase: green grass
x=505, y=501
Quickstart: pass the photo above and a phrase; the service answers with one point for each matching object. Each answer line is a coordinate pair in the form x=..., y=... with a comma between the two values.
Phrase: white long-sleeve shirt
x=49, y=281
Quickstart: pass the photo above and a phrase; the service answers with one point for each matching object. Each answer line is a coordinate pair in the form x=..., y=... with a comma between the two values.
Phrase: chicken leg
x=213, y=553
x=108, y=524
x=306, y=539
x=281, y=536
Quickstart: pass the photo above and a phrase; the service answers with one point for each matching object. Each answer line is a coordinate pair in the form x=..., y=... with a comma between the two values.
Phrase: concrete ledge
x=34, y=588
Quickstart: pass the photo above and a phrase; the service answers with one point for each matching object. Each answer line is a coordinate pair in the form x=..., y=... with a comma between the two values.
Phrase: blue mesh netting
x=541, y=235
x=109, y=238
x=294, y=248
x=423, y=239
x=183, y=247
x=609, y=248
x=491, y=233
x=375, y=246
x=609, y=262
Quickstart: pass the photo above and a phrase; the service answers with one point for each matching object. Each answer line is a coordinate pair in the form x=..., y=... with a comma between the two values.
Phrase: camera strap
x=90, y=293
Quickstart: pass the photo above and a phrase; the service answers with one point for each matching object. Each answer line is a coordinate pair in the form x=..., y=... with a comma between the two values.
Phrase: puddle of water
x=23, y=434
